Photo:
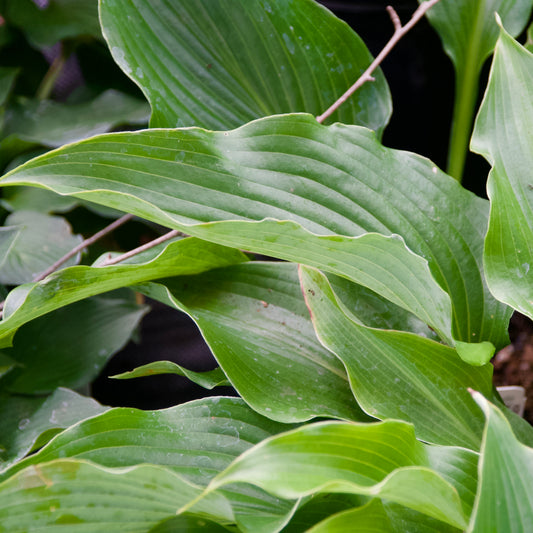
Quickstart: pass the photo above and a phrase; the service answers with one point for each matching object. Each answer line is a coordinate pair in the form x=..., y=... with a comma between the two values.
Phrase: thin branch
x=87, y=242
x=399, y=32
x=396, y=22
x=143, y=248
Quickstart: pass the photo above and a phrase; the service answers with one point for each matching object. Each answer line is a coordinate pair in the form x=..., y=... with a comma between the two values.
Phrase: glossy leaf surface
x=209, y=379
x=509, y=245
x=256, y=323
x=89, y=498
x=196, y=440
x=504, y=500
x=382, y=459
x=398, y=375
x=187, y=256
x=25, y=418
x=219, y=64
x=331, y=180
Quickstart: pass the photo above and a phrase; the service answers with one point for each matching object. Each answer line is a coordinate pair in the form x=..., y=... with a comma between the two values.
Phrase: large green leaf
x=503, y=134
x=60, y=19
x=35, y=241
x=31, y=123
x=400, y=375
x=196, y=440
x=25, y=418
x=382, y=459
x=74, y=495
x=504, y=501
x=331, y=180
x=256, y=323
x=183, y=257
x=221, y=63
x=69, y=347
x=469, y=32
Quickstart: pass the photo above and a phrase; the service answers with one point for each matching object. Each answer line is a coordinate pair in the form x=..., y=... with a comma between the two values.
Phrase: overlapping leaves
x=503, y=134
x=219, y=64
x=335, y=180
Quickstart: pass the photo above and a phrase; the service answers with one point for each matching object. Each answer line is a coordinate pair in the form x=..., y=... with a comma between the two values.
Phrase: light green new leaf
x=221, y=63
x=469, y=32
x=256, y=323
x=400, y=375
x=504, y=135
x=183, y=257
x=369, y=518
x=25, y=420
x=382, y=459
x=504, y=501
x=208, y=380
x=36, y=241
x=31, y=123
x=196, y=440
x=330, y=180
x=78, y=496
x=69, y=347
x=60, y=19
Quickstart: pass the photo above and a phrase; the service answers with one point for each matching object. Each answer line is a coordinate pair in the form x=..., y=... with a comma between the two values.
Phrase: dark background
x=421, y=81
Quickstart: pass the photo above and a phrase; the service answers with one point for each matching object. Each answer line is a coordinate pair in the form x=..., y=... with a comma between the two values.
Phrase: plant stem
x=87, y=242
x=399, y=32
x=466, y=91
x=143, y=248
x=50, y=78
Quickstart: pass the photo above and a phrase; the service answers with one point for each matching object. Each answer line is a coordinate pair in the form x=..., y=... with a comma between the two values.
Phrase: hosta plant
x=361, y=355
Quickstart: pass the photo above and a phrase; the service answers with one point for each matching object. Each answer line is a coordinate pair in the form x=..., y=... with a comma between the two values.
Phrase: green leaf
x=208, y=380
x=189, y=524
x=69, y=347
x=369, y=518
x=38, y=200
x=6, y=364
x=25, y=418
x=503, y=135
x=220, y=64
x=504, y=501
x=382, y=459
x=183, y=257
x=80, y=496
x=400, y=375
x=256, y=323
x=8, y=76
x=469, y=32
x=331, y=180
x=37, y=241
x=61, y=19
x=196, y=440
x=30, y=123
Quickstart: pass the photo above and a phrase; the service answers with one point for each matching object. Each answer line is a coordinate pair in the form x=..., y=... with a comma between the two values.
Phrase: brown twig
x=87, y=242
x=143, y=248
x=399, y=32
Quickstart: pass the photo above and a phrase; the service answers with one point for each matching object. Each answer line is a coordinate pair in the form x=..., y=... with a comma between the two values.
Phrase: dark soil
x=514, y=364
